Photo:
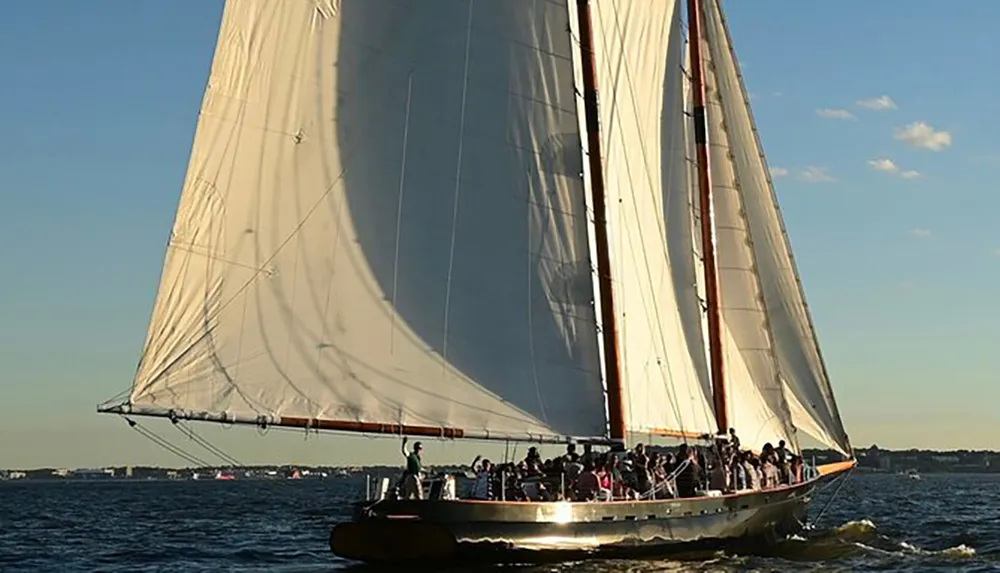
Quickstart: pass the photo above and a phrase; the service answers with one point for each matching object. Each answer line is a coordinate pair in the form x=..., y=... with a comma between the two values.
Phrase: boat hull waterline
x=425, y=531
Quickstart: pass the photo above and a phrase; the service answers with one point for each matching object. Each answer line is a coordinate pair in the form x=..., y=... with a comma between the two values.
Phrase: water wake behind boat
x=862, y=538
x=813, y=549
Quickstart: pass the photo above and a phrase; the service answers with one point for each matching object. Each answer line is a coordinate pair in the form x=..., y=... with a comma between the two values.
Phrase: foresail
x=639, y=56
x=806, y=386
x=383, y=222
x=749, y=412
x=756, y=400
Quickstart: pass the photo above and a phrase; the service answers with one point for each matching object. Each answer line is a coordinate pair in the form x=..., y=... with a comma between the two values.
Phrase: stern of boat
x=393, y=540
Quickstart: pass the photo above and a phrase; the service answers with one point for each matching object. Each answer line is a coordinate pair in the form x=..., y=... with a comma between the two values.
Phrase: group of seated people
x=692, y=471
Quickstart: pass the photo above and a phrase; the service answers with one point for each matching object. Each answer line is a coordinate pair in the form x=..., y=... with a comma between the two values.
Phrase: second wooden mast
x=716, y=364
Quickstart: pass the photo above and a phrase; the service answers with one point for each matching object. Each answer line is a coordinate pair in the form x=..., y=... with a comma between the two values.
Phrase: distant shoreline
x=146, y=479
x=872, y=459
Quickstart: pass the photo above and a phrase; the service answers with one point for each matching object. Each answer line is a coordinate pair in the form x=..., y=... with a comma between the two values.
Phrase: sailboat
x=417, y=218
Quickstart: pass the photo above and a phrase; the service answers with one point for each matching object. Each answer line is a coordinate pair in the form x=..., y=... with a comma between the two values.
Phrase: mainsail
x=387, y=226
x=383, y=223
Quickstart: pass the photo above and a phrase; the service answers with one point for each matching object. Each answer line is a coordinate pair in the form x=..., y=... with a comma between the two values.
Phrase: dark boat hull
x=448, y=531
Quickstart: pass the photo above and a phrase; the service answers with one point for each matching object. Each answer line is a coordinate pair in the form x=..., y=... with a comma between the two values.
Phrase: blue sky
x=97, y=112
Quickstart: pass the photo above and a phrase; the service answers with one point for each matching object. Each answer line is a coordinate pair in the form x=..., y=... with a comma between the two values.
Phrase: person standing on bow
x=413, y=487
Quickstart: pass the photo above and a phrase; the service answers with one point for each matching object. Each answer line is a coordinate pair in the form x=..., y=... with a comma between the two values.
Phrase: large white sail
x=643, y=126
x=806, y=385
x=383, y=222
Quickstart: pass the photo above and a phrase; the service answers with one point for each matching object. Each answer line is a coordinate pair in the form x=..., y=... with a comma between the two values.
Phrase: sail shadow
x=474, y=233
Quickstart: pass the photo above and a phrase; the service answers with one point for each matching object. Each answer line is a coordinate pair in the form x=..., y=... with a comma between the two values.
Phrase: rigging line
x=843, y=481
x=665, y=483
x=399, y=210
x=204, y=443
x=203, y=251
x=458, y=185
x=122, y=396
x=163, y=443
x=186, y=456
x=177, y=451
x=208, y=446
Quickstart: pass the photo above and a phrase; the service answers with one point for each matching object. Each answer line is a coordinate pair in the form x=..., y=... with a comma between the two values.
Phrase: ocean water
x=875, y=523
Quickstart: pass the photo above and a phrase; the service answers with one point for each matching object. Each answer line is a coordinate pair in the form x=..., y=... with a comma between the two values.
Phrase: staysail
x=643, y=132
x=383, y=226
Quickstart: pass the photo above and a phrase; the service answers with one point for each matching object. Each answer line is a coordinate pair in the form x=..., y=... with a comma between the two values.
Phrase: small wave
x=864, y=535
x=884, y=546
x=860, y=526
x=872, y=549
x=821, y=544
x=962, y=551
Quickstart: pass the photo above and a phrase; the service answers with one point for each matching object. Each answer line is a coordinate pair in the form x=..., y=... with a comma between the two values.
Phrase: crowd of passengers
x=692, y=471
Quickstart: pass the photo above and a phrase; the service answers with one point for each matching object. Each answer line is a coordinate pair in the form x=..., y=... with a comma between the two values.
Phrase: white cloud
x=922, y=233
x=881, y=103
x=920, y=134
x=889, y=166
x=816, y=175
x=778, y=94
x=996, y=252
x=831, y=113
x=778, y=172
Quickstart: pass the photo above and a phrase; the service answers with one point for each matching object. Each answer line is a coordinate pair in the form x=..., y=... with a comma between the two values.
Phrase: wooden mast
x=707, y=223
x=616, y=410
